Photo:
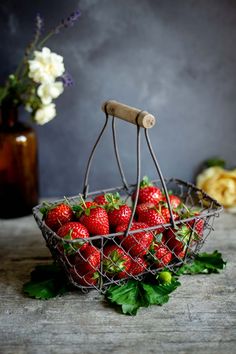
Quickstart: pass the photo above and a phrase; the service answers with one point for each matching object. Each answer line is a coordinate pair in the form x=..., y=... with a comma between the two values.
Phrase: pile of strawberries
x=128, y=254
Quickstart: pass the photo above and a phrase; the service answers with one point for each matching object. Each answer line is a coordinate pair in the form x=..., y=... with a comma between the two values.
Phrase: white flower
x=45, y=114
x=49, y=91
x=46, y=66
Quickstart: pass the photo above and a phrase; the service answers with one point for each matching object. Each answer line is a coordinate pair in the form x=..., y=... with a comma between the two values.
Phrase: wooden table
x=199, y=318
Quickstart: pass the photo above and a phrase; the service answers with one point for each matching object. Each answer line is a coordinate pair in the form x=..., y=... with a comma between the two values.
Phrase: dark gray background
x=176, y=59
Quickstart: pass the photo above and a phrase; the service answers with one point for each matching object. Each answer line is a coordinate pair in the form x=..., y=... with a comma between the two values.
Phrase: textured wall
x=176, y=59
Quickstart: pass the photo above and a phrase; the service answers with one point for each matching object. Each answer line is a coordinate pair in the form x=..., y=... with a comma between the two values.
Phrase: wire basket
x=91, y=272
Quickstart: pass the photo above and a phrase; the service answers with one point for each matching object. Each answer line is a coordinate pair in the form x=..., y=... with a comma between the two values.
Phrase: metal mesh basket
x=91, y=272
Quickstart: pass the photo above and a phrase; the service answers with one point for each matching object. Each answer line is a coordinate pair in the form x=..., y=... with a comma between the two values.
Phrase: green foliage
x=215, y=161
x=46, y=282
x=204, y=263
x=134, y=294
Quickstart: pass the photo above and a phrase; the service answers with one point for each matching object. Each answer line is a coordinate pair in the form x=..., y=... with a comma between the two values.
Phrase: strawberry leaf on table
x=158, y=294
x=135, y=294
x=204, y=263
x=46, y=282
x=129, y=296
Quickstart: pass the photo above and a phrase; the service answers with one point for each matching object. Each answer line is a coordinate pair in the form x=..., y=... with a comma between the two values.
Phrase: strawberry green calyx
x=84, y=208
x=116, y=263
x=114, y=201
x=146, y=182
x=183, y=234
x=45, y=208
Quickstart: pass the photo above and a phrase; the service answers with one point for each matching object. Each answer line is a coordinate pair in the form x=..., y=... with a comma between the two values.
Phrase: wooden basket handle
x=128, y=113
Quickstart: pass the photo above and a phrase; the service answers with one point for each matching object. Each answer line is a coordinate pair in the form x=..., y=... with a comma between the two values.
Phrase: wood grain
x=200, y=317
x=129, y=114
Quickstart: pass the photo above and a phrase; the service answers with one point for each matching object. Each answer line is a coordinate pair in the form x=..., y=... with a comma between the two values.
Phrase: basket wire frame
x=191, y=196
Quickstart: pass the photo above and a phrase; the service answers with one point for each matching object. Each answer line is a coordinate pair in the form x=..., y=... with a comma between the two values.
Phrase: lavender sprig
x=37, y=34
x=39, y=26
x=69, y=21
x=67, y=80
x=65, y=23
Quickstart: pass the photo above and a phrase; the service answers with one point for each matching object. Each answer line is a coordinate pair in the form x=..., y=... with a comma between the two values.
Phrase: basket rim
x=203, y=214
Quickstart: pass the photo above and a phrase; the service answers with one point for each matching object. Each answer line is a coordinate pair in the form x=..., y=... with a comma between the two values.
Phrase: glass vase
x=18, y=165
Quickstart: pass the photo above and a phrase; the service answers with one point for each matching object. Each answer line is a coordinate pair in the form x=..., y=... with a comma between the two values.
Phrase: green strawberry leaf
x=145, y=182
x=203, y=263
x=129, y=297
x=134, y=294
x=159, y=294
x=46, y=282
x=215, y=161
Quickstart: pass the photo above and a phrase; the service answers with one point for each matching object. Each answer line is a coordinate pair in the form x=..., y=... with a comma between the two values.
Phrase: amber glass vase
x=18, y=165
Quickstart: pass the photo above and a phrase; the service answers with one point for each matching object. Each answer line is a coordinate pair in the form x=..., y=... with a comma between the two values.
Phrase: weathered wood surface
x=200, y=317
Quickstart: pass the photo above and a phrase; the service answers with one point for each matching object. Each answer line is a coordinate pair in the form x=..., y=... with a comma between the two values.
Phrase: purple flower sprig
x=39, y=23
x=65, y=23
x=69, y=21
x=67, y=80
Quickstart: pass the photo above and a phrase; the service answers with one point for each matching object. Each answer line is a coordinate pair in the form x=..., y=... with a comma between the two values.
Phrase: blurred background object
x=177, y=60
x=218, y=182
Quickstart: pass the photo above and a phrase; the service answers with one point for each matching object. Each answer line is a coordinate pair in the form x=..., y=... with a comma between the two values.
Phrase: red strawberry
x=100, y=199
x=94, y=217
x=152, y=217
x=198, y=226
x=87, y=263
x=166, y=214
x=161, y=255
x=138, y=266
x=143, y=206
x=118, y=212
x=119, y=216
x=177, y=239
x=116, y=262
x=137, y=244
x=71, y=231
x=175, y=201
x=56, y=216
x=84, y=280
x=148, y=192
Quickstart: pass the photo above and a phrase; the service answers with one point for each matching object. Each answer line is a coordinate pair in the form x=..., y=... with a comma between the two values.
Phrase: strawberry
x=119, y=216
x=87, y=262
x=143, y=206
x=84, y=280
x=198, y=226
x=148, y=192
x=152, y=217
x=116, y=262
x=56, y=216
x=138, y=266
x=166, y=214
x=118, y=212
x=161, y=255
x=177, y=239
x=137, y=244
x=71, y=231
x=175, y=201
x=100, y=199
x=94, y=217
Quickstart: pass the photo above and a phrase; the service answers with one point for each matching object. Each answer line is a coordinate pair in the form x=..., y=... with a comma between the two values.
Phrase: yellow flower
x=220, y=184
